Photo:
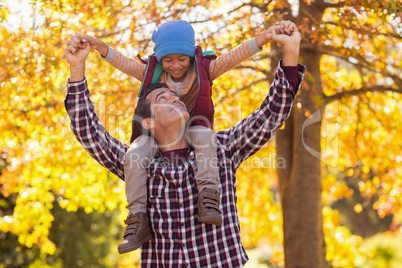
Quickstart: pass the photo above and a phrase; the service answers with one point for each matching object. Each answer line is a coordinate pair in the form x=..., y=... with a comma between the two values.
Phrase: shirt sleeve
x=249, y=135
x=85, y=124
x=232, y=58
x=131, y=67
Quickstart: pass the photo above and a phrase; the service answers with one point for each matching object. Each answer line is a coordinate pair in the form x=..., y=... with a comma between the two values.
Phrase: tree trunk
x=300, y=182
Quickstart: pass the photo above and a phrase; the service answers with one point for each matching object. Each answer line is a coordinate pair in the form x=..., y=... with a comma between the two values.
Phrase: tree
x=300, y=186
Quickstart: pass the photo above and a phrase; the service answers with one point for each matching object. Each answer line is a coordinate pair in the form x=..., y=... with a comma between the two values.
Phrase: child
x=181, y=65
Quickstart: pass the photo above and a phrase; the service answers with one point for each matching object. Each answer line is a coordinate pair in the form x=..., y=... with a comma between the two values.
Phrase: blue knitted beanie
x=174, y=37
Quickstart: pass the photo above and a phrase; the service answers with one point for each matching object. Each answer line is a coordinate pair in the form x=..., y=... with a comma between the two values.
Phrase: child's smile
x=176, y=65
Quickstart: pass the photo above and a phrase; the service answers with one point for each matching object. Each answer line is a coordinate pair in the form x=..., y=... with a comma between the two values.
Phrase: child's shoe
x=208, y=207
x=137, y=232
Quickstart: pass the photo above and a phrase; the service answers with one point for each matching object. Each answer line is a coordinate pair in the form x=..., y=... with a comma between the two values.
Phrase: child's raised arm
x=246, y=50
x=128, y=66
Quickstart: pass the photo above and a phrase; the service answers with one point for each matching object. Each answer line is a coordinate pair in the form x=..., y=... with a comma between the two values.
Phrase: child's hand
x=285, y=27
x=282, y=27
x=269, y=34
x=264, y=38
x=79, y=40
x=96, y=44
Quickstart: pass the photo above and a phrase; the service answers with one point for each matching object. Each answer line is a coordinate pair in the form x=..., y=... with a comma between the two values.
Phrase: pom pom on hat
x=174, y=37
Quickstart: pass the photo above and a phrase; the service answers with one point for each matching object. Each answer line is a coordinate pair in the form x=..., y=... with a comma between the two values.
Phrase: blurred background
x=328, y=185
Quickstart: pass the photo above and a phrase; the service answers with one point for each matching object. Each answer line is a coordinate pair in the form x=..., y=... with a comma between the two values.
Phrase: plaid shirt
x=179, y=240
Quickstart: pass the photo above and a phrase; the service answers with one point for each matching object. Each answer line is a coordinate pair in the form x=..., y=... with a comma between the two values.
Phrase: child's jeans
x=143, y=150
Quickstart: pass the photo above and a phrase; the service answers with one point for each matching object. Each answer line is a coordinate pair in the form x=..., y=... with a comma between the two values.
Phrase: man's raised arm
x=85, y=124
x=249, y=135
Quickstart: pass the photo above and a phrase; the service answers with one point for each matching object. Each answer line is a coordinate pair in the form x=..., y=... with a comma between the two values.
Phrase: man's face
x=167, y=109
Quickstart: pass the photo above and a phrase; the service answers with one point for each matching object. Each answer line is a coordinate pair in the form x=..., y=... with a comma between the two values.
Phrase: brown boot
x=137, y=232
x=208, y=207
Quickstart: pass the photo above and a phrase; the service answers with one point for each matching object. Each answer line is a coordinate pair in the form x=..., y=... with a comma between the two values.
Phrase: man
x=178, y=238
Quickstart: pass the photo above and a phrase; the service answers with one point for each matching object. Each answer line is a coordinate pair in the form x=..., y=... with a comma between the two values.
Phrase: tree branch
x=334, y=5
x=362, y=62
x=356, y=92
x=394, y=35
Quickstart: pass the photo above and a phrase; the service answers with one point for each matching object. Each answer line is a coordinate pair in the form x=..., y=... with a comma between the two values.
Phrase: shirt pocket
x=160, y=198
x=157, y=188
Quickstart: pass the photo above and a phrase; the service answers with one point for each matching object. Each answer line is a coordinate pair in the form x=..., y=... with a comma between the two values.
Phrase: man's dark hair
x=143, y=107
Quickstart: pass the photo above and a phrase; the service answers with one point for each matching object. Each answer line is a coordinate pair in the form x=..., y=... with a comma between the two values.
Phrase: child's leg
x=138, y=156
x=205, y=144
x=204, y=141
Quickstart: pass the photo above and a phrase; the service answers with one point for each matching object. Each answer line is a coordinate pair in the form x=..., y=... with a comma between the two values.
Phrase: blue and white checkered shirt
x=179, y=240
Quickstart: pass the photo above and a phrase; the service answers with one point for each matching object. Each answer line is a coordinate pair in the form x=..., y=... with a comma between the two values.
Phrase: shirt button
x=184, y=245
x=181, y=204
x=182, y=224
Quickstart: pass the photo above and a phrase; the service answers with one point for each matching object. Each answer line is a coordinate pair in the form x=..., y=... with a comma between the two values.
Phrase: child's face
x=176, y=65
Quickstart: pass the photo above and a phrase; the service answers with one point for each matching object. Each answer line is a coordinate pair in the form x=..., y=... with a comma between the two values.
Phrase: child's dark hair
x=143, y=107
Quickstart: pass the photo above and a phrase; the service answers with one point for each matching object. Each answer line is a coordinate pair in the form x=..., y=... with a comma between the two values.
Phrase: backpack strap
x=208, y=53
x=157, y=73
x=155, y=70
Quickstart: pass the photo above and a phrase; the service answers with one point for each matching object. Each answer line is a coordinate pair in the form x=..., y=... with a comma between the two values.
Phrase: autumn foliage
x=43, y=168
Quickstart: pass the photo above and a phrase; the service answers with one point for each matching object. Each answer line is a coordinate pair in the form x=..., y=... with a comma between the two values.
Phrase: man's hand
x=287, y=35
x=76, y=53
x=266, y=36
x=282, y=27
